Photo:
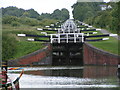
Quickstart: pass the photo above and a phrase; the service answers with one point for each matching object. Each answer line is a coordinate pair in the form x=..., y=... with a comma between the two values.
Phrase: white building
x=114, y=0
x=105, y=7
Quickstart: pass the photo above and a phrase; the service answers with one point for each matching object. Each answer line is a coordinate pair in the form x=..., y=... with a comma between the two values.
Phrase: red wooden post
x=4, y=74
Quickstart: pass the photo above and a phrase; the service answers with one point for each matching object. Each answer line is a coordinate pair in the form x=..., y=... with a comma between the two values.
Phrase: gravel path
x=107, y=32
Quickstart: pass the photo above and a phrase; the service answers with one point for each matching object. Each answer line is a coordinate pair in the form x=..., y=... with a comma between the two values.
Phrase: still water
x=68, y=77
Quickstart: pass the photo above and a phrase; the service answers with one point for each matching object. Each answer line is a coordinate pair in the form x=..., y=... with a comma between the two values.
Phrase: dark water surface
x=69, y=77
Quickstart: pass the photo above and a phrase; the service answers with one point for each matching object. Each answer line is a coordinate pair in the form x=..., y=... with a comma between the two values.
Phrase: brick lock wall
x=35, y=57
x=31, y=59
x=95, y=56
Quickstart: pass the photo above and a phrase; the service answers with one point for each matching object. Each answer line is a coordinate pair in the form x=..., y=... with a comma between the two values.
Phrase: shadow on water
x=59, y=73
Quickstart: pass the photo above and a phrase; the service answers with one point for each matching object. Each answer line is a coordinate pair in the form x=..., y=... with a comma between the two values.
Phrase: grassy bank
x=14, y=46
x=25, y=47
x=110, y=45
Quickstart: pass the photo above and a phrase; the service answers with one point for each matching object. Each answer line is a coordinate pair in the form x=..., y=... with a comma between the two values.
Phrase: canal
x=68, y=77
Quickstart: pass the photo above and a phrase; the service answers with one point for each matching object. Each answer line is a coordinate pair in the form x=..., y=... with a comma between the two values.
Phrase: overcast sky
x=41, y=6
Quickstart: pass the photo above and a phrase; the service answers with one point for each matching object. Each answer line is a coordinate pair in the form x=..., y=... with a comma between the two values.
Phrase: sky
x=41, y=6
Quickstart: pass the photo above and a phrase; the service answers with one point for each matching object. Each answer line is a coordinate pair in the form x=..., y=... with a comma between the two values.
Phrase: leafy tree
x=65, y=14
x=85, y=10
x=91, y=13
x=12, y=11
x=103, y=20
x=116, y=18
x=60, y=14
x=44, y=16
x=57, y=14
x=32, y=13
x=26, y=14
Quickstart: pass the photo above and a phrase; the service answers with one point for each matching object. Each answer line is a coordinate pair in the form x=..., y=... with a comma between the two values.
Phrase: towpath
x=107, y=32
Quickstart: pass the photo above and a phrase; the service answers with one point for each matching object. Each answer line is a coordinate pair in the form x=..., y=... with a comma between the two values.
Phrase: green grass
x=110, y=45
x=25, y=47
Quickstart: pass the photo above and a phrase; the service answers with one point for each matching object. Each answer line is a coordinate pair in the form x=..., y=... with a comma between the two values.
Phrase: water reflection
x=99, y=71
x=58, y=73
x=69, y=77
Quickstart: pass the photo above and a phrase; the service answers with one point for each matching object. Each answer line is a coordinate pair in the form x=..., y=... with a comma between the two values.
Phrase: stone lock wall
x=95, y=56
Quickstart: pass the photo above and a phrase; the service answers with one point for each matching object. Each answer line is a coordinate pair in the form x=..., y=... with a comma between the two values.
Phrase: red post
x=4, y=74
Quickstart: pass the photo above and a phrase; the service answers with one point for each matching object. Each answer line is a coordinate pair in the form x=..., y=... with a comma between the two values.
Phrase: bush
x=17, y=21
x=45, y=22
x=14, y=24
x=8, y=47
x=29, y=21
x=9, y=19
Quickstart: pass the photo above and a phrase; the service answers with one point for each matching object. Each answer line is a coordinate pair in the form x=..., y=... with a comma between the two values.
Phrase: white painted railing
x=67, y=36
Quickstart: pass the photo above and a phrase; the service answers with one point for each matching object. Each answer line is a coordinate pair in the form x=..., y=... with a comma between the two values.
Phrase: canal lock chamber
x=67, y=54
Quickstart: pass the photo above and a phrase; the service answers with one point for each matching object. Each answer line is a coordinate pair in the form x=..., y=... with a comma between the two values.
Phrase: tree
x=85, y=10
x=32, y=13
x=65, y=14
x=12, y=11
x=62, y=14
x=26, y=14
x=57, y=14
x=45, y=15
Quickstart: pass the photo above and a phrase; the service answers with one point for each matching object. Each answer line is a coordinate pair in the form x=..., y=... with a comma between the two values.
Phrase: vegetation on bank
x=13, y=46
x=16, y=21
x=91, y=13
x=110, y=45
x=57, y=14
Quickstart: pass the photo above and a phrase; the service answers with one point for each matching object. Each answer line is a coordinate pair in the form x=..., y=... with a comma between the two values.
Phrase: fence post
x=67, y=37
x=82, y=37
x=58, y=38
x=74, y=38
x=51, y=38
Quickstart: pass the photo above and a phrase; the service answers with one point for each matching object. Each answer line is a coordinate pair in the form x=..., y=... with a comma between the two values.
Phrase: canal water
x=68, y=77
